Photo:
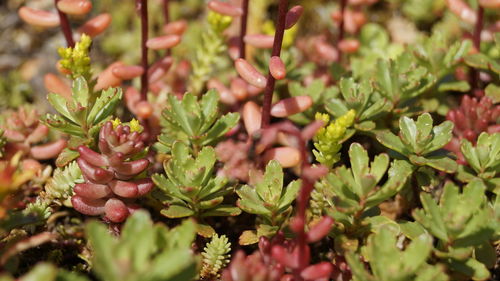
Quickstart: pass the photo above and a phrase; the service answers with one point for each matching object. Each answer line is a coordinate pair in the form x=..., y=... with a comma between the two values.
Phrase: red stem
x=166, y=11
x=243, y=29
x=343, y=5
x=278, y=40
x=65, y=26
x=302, y=203
x=476, y=40
x=143, y=9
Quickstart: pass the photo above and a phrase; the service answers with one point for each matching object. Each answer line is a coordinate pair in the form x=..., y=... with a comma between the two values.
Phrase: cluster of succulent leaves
x=83, y=114
x=196, y=122
x=269, y=200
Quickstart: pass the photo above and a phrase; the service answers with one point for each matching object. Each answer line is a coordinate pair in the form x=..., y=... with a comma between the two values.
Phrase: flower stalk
x=278, y=40
x=243, y=28
x=65, y=26
x=142, y=6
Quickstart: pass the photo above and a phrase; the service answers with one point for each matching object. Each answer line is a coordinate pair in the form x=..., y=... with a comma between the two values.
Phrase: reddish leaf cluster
x=24, y=132
x=109, y=187
x=471, y=119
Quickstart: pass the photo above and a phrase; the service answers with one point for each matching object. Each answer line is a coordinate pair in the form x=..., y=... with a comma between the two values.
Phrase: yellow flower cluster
x=135, y=125
x=327, y=139
x=77, y=59
x=218, y=22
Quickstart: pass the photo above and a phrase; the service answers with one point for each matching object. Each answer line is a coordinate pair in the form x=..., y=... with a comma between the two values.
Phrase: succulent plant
x=420, y=142
x=215, y=257
x=12, y=177
x=145, y=249
x=471, y=119
x=212, y=46
x=269, y=200
x=483, y=160
x=319, y=94
x=82, y=114
x=350, y=194
x=462, y=222
x=112, y=175
x=191, y=188
x=328, y=140
x=251, y=268
x=59, y=188
x=197, y=122
x=24, y=132
x=360, y=97
x=388, y=262
x=401, y=80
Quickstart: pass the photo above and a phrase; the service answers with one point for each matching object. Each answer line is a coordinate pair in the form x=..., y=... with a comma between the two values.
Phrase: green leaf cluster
x=318, y=92
x=198, y=123
x=352, y=194
x=420, y=142
x=215, y=257
x=144, y=251
x=209, y=51
x=464, y=223
x=361, y=98
x=60, y=186
x=483, y=160
x=389, y=263
x=269, y=200
x=190, y=187
x=82, y=116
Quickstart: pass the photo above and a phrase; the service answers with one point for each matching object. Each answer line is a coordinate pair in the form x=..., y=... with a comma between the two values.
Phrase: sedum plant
x=401, y=80
x=361, y=98
x=144, y=251
x=483, y=160
x=59, y=188
x=350, y=195
x=420, y=142
x=191, y=189
x=389, y=263
x=197, y=122
x=215, y=257
x=81, y=115
x=212, y=46
x=463, y=225
x=328, y=140
x=319, y=94
x=269, y=200
x=112, y=175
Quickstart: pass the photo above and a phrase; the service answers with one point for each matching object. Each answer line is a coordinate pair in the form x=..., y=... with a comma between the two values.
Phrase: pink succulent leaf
x=318, y=271
x=124, y=188
x=281, y=255
x=92, y=190
x=39, y=134
x=115, y=210
x=94, y=174
x=49, y=150
x=132, y=167
x=320, y=230
x=92, y=157
x=144, y=186
x=90, y=207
